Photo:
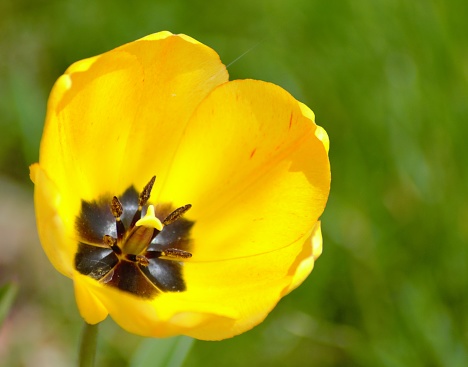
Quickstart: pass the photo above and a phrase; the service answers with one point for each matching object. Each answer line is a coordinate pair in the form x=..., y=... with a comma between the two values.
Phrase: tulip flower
x=177, y=201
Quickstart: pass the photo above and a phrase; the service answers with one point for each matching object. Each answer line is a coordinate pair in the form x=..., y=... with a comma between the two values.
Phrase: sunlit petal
x=265, y=178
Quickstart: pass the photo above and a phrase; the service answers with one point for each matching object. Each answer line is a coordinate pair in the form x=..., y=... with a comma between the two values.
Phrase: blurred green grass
x=387, y=79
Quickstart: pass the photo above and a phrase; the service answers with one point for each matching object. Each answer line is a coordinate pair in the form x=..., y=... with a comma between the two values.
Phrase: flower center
x=133, y=243
x=133, y=246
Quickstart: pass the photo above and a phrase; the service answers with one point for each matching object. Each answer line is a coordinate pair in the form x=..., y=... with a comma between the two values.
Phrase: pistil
x=143, y=233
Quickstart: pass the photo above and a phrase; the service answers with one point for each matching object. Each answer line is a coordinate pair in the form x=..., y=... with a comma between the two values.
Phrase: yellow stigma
x=150, y=220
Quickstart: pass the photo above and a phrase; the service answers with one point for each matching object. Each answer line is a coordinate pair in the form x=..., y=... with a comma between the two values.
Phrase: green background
x=387, y=79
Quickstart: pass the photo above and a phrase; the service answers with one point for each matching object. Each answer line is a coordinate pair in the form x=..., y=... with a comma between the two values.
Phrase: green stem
x=88, y=345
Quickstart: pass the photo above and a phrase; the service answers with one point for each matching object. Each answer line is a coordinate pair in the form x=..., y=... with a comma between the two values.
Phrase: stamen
x=153, y=254
x=171, y=253
x=109, y=241
x=145, y=194
x=175, y=253
x=112, y=243
x=117, y=211
x=142, y=200
x=116, y=208
x=140, y=259
x=176, y=214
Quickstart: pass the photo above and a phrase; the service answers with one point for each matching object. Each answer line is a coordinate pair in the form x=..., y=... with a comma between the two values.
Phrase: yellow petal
x=116, y=119
x=55, y=233
x=320, y=132
x=223, y=298
x=307, y=259
x=253, y=169
x=91, y=308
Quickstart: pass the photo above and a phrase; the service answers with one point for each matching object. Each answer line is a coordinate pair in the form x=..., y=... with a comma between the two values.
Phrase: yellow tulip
x=231, y=222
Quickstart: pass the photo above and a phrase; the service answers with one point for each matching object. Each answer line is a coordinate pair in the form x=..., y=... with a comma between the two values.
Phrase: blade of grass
x=7, y=296
x=169, y=352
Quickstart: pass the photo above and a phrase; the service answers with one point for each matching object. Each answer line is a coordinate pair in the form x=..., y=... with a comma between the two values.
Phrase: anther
x=142, y=200
x=171, y=253
x=112, y=243
x=176, y=214
x=145, y=194
x=174, y=253
x=117, y=211
x=108, y=240
x=140, y=259
x=116, y=208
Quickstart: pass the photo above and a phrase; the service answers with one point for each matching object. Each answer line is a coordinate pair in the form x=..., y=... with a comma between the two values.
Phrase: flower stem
x=88, y=345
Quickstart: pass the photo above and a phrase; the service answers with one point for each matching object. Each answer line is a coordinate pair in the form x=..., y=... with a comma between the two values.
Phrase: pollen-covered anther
x=142, y=200
x=116, y=208
x=174, y=253
x=142, y=260
x=109, y=240
x=112, y=243
x=145, y=194
x=176, y=214
x=117, y=211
